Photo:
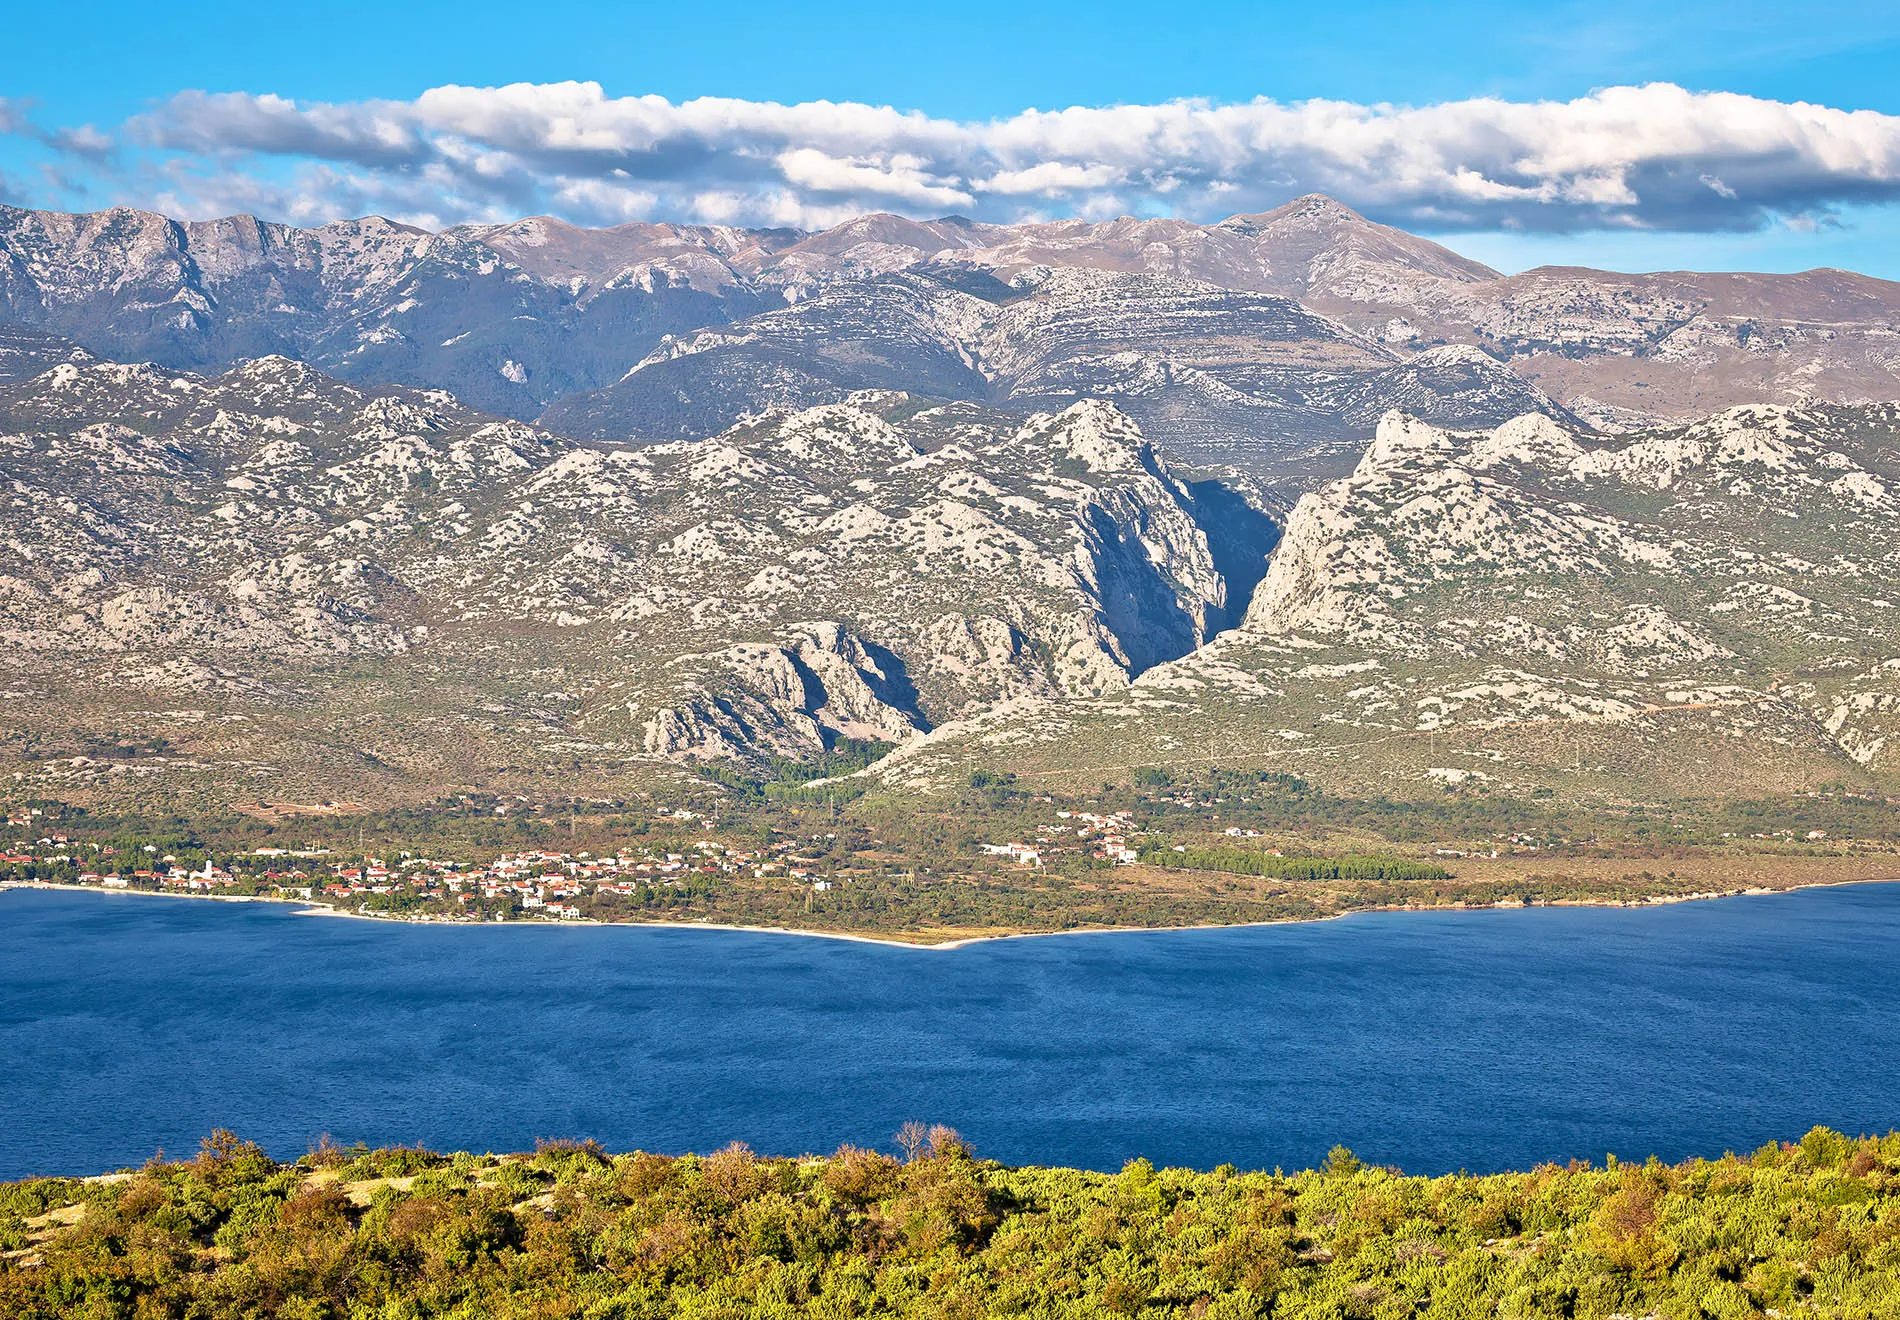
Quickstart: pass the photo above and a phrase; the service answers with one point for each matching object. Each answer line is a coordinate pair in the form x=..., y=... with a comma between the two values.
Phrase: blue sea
x=1432, y=1041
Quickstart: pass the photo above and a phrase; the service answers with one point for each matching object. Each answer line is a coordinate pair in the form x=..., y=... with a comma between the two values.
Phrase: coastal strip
x=903, y=940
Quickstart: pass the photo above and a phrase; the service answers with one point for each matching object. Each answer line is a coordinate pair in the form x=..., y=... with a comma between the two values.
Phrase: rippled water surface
x=1432, y=1041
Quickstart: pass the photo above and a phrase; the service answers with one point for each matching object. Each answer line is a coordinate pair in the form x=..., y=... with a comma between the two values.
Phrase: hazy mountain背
x=1272, y=341
x=1215, y=376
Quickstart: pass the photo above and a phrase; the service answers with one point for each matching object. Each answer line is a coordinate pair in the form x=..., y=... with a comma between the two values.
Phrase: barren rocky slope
x=272, y=546
x=1269, y=340
x=1711, y=609
x=274, y=574
x=1629, y=350
x=369, y=300
x=1255, y=381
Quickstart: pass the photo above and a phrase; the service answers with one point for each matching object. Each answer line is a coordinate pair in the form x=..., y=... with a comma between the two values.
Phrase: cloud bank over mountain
x=1655, y=157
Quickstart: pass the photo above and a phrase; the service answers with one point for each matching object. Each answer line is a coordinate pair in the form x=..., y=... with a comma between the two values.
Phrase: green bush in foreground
x=1806, y=1229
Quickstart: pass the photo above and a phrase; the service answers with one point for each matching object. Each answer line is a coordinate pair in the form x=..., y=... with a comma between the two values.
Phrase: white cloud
x=1655, y=157
x=377, y=134
x=83, y=140
x=902, y=179
x=1051, y=178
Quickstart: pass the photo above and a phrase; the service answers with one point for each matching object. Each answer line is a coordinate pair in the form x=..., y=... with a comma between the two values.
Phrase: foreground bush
x=570, y=1231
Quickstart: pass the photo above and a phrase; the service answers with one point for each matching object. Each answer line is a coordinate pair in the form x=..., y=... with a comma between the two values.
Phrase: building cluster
x=545, y=882
x=542, y=882
x=551, y=882
x=1104, y=838
x=101, y=864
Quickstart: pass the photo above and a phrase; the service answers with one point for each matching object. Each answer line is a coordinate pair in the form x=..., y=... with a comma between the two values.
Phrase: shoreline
x=141, y=893
x=309, y=908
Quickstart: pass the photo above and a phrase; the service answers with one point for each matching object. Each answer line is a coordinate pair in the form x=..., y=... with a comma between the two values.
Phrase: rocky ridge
x=369, y=300
x=1709, y=608
x=862, y=569
x=1265, y=341
x=1249, y=380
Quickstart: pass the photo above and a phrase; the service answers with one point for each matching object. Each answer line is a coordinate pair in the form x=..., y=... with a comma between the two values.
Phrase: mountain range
x=280, y=547
x=1264, y=341
x=359, y=511
x=1696, y=612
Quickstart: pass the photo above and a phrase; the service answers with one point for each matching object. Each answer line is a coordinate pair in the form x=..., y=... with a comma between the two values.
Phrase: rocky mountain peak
x=1321, y=249
x=654, y=330
x=1097, y=434
x=1311, y=211
x=1399, y=438
x=1529, y=609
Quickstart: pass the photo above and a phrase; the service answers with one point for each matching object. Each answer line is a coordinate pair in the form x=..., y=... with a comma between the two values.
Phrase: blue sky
x=335, y=117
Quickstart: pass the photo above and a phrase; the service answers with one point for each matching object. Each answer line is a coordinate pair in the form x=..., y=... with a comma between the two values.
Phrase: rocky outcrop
x=1704, y=611
x=794, y=698
x=866, y=569
x=1724, y=555
x=1058, y=556
x=1272, y=340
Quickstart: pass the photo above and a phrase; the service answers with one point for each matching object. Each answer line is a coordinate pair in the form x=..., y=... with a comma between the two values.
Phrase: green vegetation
x=1808, y=1229
x=803, y=844
x=780, y=779
x=1247, y=861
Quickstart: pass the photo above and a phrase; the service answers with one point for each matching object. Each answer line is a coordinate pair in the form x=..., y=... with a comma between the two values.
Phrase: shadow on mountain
x=895, y=688
x=1240, y=536
x=1137, y=603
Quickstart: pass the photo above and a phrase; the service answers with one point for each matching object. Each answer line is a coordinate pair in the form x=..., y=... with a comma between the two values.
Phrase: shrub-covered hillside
x=1805, y=1229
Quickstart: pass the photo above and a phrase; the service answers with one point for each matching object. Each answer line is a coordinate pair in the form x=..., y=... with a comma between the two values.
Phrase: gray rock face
x=863, y=569
x=1741, y=568
x=1218, y=376
x=1268, y=342
x=1698, y=611
x=896, y=332
x=366, y=300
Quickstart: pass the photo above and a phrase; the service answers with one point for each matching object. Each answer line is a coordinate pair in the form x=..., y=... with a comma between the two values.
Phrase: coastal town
x=1220, y=848
x=536, y=883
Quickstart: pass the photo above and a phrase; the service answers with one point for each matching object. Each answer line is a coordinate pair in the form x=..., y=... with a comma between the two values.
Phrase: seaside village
x=540, y=883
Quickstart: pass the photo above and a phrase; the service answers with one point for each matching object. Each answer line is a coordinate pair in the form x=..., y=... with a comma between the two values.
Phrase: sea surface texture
x=1477, y=1040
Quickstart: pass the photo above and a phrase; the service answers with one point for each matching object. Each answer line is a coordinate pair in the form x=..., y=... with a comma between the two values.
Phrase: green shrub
x=1799, y=1229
